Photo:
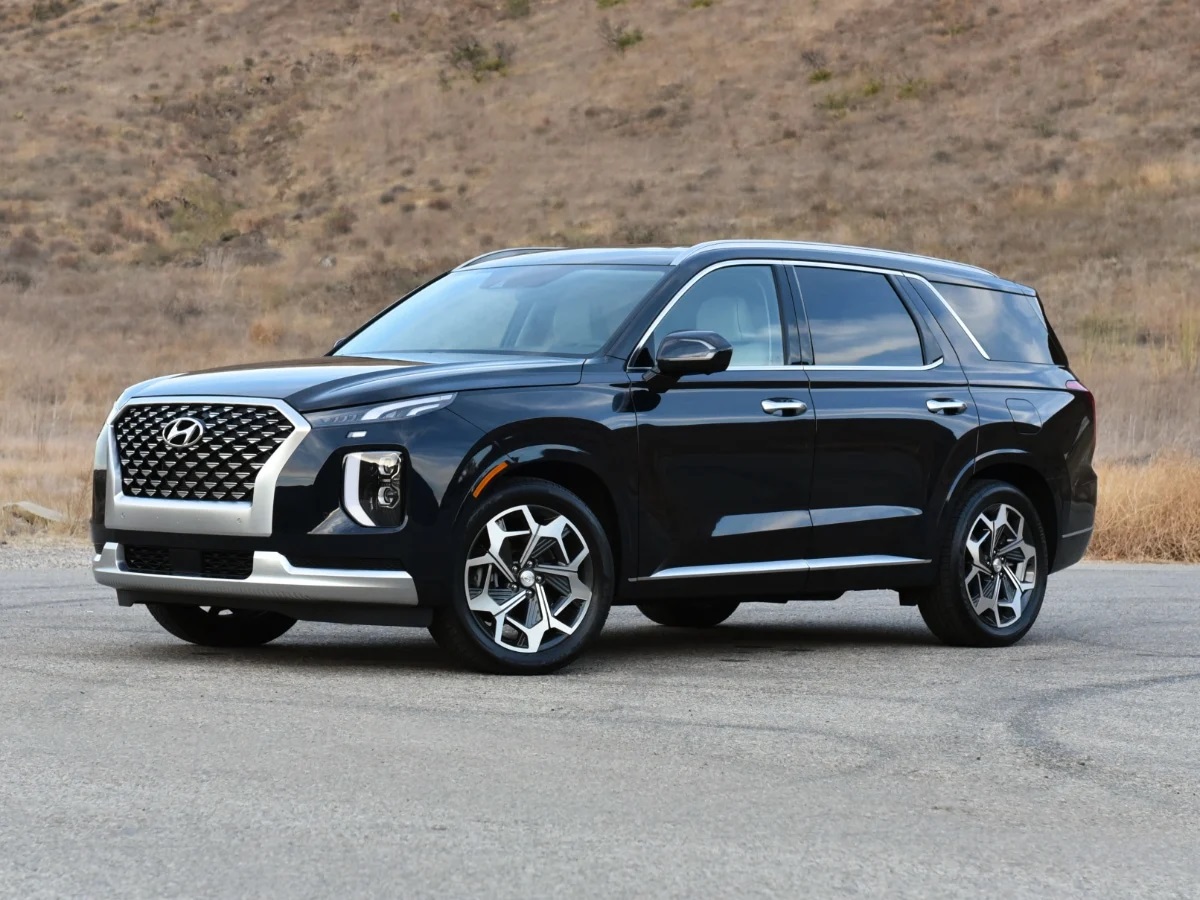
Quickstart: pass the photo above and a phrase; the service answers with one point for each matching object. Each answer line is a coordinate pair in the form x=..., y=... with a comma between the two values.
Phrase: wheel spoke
x=1018, y=595
x=985, y=601
x=552, y=616
x=484, y=602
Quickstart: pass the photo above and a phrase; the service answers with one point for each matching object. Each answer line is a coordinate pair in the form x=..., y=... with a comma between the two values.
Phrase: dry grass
x=176, y=172
x=1149, y=512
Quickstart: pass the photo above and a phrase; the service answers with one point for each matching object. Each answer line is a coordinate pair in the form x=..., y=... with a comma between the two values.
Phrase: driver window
x=740, y=304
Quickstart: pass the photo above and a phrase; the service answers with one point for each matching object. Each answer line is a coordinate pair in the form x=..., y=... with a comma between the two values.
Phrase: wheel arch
x=1020, y=471
x=571, y=470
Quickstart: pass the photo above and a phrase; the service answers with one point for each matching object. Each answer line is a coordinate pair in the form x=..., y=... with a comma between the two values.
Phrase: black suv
x=538, y=434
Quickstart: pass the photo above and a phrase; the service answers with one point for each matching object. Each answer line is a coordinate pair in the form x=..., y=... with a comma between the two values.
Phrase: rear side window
x=1010, y=327
x=857, y=319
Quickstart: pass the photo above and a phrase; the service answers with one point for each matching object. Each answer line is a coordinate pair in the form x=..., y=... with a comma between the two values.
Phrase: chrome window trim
x=272, y=578
x=957, y=318
x=783, y=566
x=641, y=344
x=724, y=264
x=254, y=519
x=925, y=368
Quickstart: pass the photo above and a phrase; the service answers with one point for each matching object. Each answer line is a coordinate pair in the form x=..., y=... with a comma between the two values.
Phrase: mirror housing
x=692, y=353
x=338, y=344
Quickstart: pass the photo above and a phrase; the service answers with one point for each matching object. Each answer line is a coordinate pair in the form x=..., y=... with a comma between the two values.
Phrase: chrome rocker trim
x=782, y=566
x=255, y=519
x=272, y=578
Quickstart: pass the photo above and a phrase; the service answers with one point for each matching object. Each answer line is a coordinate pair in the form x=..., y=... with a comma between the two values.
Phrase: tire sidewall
x=533, y=492
x=982, y=499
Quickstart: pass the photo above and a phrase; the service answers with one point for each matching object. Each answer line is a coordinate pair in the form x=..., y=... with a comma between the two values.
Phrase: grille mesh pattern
x=148, y=559
x=232, y=564
x=205, y=563
x=237, y=442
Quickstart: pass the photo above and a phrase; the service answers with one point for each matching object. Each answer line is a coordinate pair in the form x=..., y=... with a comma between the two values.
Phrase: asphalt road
x=812, y=749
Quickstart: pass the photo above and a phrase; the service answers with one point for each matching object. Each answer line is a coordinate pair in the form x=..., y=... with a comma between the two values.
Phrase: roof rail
x=503, y=254
x=748, y=244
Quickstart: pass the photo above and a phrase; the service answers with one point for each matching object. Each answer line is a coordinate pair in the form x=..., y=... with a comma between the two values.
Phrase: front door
x=726, y=459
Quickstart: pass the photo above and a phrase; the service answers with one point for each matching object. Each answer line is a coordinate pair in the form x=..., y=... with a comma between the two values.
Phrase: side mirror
x=338, y=344
x=692, y=353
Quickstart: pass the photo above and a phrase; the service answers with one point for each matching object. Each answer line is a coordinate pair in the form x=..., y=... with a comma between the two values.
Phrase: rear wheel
x=689, y=614
x=992, y=570
x=534, y=581
x=218, y=626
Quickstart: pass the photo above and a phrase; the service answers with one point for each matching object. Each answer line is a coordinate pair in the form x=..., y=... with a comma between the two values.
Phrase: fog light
x=371, y=487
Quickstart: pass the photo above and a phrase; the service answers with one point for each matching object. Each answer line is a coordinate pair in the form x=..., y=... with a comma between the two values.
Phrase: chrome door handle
x=947, y=407
x=784, y=407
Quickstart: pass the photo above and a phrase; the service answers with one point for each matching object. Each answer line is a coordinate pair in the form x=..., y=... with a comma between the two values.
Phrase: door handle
x=781, y=406
x=946, y=407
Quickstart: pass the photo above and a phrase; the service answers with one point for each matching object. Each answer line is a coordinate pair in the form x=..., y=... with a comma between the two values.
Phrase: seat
x=742, y=322
x=573, y=327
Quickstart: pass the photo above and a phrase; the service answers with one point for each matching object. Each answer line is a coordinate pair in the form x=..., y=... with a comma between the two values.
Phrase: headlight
x=371, y=487
x=386, y=412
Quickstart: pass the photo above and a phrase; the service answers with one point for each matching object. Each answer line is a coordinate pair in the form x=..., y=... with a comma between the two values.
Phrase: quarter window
x=857, y=319
x=1009, y=326
x=740, y=304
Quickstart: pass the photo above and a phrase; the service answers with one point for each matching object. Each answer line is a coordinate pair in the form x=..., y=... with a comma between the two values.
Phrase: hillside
x=192, y=182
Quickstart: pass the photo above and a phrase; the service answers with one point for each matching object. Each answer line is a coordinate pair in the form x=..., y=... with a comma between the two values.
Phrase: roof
x=709, y=252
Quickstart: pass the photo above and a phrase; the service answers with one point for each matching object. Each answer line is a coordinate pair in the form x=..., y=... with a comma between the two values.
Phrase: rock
x=33, y=513
x=328, y=262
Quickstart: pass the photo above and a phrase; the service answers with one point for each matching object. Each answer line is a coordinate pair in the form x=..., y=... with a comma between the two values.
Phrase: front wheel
x=992, y=570
x=690, y=614
x=533, y=581
x=217, y=626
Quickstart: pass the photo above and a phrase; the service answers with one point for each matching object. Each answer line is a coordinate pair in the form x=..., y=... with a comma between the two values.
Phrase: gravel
x=44, y=552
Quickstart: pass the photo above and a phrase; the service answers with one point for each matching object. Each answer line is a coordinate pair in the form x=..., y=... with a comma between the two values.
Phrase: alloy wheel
x=999, y=566
x=529, y=578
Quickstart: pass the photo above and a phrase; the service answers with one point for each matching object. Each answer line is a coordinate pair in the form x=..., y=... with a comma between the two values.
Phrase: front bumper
x=273, y=579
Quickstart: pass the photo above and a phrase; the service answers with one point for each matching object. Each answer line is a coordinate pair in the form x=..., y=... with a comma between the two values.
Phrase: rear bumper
x=273, y=580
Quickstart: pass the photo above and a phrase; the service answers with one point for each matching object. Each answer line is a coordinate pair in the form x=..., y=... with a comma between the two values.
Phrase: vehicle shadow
x=732, y=639
x=406, y=648
x=413, y=649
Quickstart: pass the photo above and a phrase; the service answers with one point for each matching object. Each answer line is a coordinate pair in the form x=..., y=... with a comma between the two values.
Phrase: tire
x=216, y=626
x=689, y=614
x=976, y=601
x=484, y=624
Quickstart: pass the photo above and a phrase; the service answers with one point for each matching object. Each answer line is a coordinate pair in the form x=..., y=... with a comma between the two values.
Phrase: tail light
x=1077, y=387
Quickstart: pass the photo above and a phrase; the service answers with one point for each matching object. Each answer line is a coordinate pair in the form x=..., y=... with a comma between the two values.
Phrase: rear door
x=726, y=458
x=894, y=418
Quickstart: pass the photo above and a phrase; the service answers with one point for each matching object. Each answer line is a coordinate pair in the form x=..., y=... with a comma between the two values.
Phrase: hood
x=329, y=382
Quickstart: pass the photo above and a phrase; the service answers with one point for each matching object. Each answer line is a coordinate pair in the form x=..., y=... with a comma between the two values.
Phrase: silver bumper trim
x=272, y=578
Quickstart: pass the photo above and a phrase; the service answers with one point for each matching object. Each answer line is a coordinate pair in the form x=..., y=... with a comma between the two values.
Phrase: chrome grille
x=238, y=440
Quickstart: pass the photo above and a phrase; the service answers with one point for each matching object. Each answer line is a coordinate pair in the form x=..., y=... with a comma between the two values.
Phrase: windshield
x=568, y=310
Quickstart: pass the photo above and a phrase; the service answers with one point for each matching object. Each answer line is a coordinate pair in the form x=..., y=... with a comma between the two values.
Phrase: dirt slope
x=175, y=172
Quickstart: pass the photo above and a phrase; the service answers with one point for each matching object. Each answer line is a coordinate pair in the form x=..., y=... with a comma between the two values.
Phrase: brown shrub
x=340, y=221
x=266, y=331
x=1149, y=511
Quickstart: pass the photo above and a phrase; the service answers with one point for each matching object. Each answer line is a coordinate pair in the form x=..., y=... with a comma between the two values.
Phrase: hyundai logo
x=183, y=432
